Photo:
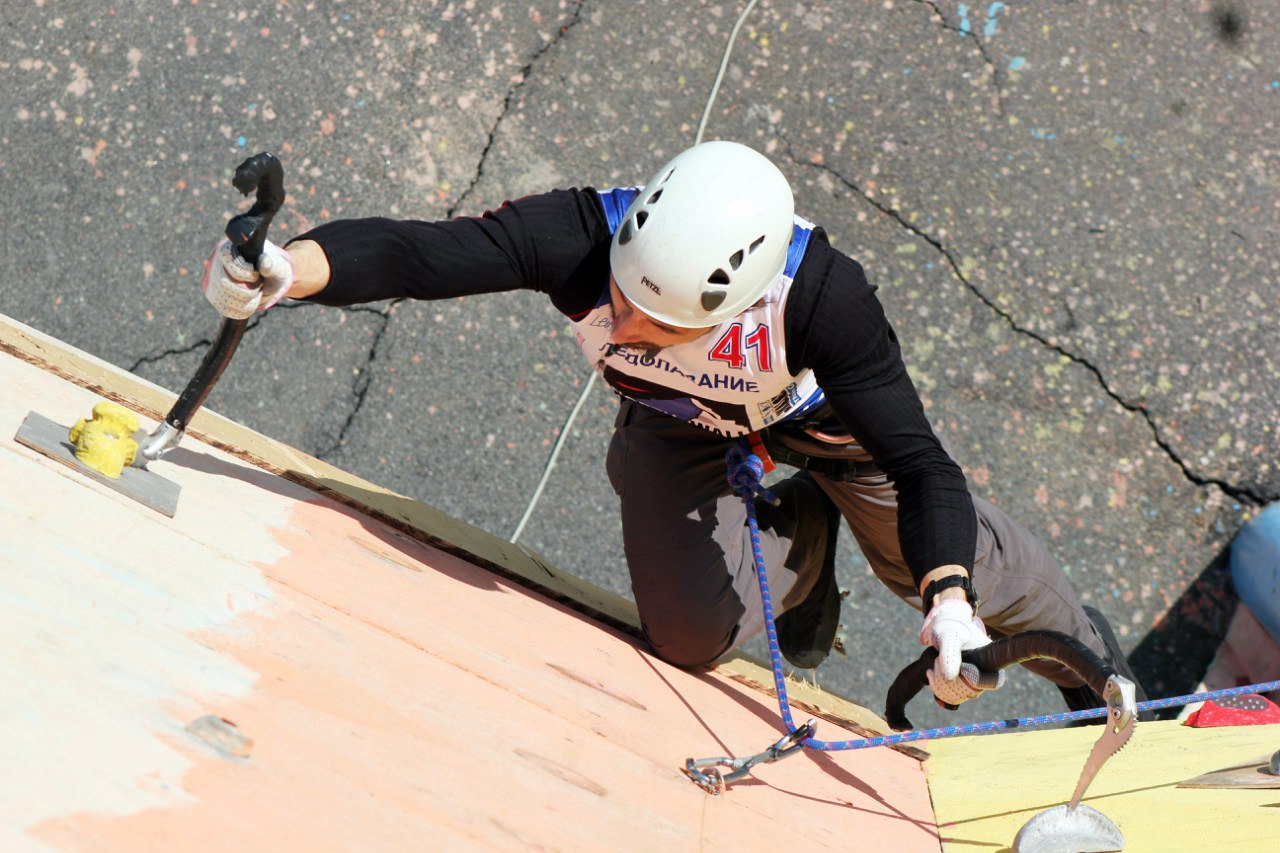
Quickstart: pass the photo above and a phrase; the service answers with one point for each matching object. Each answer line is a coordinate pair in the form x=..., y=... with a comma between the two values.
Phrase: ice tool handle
x=248, y=232
x=1005, y=652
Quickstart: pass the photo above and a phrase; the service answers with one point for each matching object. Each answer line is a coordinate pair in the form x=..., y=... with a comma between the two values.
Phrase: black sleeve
x=836, y=326
x=555, y=243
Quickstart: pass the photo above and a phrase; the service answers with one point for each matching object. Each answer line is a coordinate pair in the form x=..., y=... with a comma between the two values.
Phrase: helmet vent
x=719, y=277
x=641, y=216
x=735, y=260
x=756, y=244
x=653, y=199
x=711, y=299
x=625, y=233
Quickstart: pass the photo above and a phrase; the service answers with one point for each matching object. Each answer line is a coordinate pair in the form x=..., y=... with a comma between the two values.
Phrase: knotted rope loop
x=745, y=471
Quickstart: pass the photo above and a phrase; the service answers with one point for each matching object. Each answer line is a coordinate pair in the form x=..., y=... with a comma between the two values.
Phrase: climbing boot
x=807, y=630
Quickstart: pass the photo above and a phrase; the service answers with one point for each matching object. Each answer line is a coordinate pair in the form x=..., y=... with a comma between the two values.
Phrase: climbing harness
x=744, y=472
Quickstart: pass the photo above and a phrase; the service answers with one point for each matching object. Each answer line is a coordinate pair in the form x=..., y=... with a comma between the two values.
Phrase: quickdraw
x=713, y=781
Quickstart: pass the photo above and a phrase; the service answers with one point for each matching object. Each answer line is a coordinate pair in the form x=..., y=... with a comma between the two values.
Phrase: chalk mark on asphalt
x=994, y=72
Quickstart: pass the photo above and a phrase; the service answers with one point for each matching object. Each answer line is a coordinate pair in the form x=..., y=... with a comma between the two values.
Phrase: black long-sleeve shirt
x=557, y=243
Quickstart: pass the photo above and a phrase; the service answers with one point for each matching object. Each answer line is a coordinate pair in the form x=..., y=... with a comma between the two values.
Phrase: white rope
x=555, y=452
x=586, y=389
x=724, y=64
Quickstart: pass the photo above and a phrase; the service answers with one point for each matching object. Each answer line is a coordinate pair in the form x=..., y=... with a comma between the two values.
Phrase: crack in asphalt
x=360, y=386
x=994, y=72
x=573, y=19
x=1239, y=493
x=169, y=353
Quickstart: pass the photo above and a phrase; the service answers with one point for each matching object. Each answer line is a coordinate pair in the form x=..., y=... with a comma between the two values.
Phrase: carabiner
x=716, y=782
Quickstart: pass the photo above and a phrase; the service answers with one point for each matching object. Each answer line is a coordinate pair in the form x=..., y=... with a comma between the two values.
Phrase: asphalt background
x=1070, y=209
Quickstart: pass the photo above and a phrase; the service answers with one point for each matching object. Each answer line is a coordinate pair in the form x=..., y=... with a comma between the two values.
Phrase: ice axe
x=109, y=447
x=248, y=232
x=1073, y=827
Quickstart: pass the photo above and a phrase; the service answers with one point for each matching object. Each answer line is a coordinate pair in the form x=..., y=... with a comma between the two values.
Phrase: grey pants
x=693, y=573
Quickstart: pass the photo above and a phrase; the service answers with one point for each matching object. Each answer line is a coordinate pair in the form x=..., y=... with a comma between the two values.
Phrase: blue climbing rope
x=745, y=470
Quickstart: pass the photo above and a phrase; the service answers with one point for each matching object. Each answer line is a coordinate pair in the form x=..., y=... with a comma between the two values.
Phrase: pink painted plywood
x=397, y=698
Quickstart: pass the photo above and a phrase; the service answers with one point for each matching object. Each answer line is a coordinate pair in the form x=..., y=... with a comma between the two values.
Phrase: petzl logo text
x=644, y=279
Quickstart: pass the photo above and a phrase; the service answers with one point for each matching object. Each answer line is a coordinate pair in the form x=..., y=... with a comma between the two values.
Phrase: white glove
x=951, y=627
x=229, y=279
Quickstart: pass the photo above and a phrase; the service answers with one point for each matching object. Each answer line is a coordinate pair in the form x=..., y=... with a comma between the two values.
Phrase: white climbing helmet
x=706, y=237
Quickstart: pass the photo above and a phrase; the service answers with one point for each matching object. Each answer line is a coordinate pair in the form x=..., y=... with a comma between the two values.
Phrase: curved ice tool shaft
x=248, y=231
x=1002, y=654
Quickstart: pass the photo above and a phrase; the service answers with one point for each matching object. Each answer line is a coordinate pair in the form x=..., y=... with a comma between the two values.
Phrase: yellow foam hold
x=105, y=441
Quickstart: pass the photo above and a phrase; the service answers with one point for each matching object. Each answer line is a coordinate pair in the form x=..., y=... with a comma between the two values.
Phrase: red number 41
x=732, y=347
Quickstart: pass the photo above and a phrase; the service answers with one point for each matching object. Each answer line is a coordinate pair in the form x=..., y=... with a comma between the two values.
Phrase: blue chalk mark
x=1275, y=84
x=964, y=18
x=241, y=141
x=1017, y=62
x=992, y=10
x=1043, y=134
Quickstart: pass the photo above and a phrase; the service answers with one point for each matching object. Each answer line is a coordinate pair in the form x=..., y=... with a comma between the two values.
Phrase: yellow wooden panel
x=985, y=788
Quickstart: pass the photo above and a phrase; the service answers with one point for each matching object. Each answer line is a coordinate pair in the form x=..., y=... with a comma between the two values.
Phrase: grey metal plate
x=1255, y=773
x=146, y=487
